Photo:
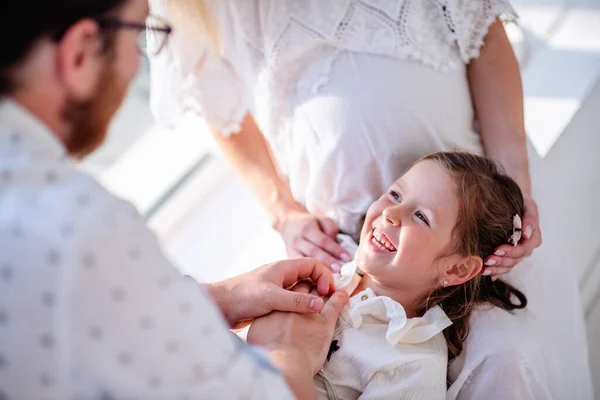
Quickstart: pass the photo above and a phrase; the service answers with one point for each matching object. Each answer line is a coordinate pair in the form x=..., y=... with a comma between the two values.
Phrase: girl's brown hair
x=488, y=202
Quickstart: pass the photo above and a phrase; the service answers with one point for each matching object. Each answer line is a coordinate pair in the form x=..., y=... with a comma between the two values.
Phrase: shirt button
x=364, y=297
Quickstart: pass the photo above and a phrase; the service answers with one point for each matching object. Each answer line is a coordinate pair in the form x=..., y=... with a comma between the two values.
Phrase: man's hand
x=303, y=337
x=265, y=289
x=507, y=256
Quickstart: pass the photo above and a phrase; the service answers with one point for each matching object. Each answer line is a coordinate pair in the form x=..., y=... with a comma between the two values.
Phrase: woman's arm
x=498, y=99
x=305, y=235
x=250, y=155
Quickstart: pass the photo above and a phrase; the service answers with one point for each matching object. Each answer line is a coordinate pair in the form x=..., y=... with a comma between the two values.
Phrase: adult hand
x=305, y=338
x=507, y=256
x=260, y=291
x=307, y=235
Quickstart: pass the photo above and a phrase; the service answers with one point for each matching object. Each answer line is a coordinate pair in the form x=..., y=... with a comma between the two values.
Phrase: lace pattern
x=282, y=46
x=301, y=46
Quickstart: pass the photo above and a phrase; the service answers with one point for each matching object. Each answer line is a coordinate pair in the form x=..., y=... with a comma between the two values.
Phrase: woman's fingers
x=308, y=249
x=510, y=251
x=530, y=217
x=502, y=265
x=328, y=226
x=328, y=244
x=508, y=255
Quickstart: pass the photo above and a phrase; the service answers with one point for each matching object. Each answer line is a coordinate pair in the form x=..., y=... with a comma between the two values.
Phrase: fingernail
x=315, y=304
x=346, y=257
x=528, y=231
x=499, y=253
x=490, y=262
x=487, y=272
x=336, y=267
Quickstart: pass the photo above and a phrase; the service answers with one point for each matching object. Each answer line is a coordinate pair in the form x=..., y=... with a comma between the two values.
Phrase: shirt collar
x=401, y=329
x=20, y=127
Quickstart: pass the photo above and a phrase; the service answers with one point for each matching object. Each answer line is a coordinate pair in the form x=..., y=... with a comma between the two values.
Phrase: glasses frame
x=118, y=24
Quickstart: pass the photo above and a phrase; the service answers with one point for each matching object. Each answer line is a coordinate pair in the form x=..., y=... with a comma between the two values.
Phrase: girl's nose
x=392, y=216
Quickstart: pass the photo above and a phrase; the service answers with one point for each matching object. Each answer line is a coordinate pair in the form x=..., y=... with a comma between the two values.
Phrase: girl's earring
x=445, y=282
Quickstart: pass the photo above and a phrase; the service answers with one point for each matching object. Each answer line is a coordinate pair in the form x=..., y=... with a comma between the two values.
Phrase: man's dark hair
x=24, y=23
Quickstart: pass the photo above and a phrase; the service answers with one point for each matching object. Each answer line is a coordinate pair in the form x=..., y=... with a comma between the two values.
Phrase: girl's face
x=406, y=242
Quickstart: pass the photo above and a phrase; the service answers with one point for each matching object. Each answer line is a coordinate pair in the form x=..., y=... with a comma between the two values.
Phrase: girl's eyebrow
x=399, y=185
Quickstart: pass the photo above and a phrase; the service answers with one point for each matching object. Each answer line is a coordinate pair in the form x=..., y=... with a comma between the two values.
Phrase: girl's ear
x=462, y=271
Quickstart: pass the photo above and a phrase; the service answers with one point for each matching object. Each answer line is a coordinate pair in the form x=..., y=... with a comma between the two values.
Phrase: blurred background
x=212, y=227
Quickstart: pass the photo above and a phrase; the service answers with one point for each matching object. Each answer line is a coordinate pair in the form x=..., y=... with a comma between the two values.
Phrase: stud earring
x=445, y=282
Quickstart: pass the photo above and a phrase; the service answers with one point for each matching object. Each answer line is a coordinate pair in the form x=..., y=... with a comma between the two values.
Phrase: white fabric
x=339, y=88
x=385, y=355
x=512, y=347
x=348, y=94
x=347, y=279
x=90, y=308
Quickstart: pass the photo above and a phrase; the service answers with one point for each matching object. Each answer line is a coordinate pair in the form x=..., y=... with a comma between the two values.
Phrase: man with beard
x=89, y=305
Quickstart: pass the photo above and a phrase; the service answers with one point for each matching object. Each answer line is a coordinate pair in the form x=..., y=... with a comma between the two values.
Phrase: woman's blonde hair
x=195, y=17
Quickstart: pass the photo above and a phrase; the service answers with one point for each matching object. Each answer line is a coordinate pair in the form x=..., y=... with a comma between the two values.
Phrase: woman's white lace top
x=348, y=93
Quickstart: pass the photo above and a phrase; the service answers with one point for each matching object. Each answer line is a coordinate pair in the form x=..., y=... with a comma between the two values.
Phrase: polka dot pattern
x=54, y=257
x=51, y=177
x=95, y=333
x=47, y=341
x=146, y=323
x=125, y=358
x=118, y=294
x=48, y=299
x=5, y=175
x=88, y=281
x=6, y=272
x=89, y=261
x=15, y=138
x=46, y=380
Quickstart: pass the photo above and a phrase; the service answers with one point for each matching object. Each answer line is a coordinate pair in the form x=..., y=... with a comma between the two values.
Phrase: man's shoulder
x=93, y=208
x=62, y=203
x=94, y=200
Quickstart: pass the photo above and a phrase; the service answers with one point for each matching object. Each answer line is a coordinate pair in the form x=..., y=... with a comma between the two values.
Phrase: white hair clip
x=516, y=233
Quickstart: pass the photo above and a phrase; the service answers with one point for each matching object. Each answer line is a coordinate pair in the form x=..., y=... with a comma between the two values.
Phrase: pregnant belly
x=375, y=116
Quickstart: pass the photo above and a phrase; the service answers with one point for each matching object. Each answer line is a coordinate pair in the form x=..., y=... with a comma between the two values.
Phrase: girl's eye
x=396, y=195
x=422, y=217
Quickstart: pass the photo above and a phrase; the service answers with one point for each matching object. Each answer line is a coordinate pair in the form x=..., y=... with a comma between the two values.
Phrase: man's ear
x=462, y=271
x=80, y=59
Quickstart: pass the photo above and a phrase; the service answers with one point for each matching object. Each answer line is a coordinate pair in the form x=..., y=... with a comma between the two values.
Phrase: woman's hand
x=507, y=256
x=306, y=337
x=307, y=235
x=260, y=291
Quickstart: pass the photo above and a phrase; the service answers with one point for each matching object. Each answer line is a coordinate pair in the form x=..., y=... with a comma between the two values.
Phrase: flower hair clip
x=516, y=233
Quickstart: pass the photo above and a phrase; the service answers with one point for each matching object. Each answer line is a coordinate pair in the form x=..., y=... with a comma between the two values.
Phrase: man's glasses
x=152, y=36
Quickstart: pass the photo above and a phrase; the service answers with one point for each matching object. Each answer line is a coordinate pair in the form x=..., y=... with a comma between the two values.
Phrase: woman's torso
x=350, y=93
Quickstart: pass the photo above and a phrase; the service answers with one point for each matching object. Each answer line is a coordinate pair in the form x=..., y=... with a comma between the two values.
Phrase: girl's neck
x=407, y=300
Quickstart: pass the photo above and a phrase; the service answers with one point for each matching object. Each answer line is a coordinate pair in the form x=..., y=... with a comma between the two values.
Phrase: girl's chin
x=369, y=263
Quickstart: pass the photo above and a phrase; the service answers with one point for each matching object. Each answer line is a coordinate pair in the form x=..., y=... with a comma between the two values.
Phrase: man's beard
x=89, y=120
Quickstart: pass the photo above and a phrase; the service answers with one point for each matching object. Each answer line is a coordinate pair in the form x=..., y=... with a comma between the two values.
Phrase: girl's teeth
x=381, y=243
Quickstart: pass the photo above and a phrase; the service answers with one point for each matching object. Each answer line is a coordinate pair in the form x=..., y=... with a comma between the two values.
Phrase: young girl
x=421, y=274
